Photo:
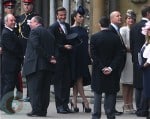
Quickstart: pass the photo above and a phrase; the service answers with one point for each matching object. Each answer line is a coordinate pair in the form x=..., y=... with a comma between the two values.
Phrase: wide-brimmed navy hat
x=73, y=39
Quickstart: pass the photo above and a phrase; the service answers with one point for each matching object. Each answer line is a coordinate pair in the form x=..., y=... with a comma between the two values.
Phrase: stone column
x=112, y=5
x=97, y=10
x=66, y=4
x=0, y=8
x=78, y=3
x=52, y=12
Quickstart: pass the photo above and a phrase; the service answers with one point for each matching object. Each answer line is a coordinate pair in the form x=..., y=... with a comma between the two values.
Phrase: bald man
x=116, y=19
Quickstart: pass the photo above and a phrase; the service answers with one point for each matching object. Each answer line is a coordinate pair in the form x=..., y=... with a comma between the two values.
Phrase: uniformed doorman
x=24, y=29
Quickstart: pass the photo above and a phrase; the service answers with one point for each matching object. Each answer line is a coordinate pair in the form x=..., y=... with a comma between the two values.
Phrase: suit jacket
x=60, y=38
x=137, y=39
x=12, y=51
x=106, y=51
x=40, y=48
x=62, y=67
x=122, y=63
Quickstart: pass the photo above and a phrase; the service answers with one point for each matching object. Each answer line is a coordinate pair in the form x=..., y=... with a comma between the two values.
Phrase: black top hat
x=73, y=39
x=81, y=10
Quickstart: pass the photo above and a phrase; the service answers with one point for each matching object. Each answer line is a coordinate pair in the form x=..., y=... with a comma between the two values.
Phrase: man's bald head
x=115, y=17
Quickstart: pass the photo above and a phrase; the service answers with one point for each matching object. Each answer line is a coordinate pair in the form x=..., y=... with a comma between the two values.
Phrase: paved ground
x=24, y=107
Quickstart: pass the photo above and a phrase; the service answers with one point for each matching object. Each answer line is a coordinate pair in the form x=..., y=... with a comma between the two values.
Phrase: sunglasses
x=10, y=7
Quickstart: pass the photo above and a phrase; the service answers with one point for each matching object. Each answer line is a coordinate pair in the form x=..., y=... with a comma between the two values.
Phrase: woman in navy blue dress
x=145, y=65
x=80, y=61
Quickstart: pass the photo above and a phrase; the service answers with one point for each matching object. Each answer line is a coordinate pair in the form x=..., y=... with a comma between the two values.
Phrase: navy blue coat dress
x=80, y=57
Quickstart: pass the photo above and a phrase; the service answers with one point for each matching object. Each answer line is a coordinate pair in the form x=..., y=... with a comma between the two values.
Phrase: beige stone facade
x=94, y=9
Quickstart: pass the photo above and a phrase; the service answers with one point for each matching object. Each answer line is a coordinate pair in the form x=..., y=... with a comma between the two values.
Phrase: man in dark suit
x=38, y=66
x=62, y=78
x=137, y=39
x=11, y=63
x=9, y=8
x=115, y=19
x=105, y=70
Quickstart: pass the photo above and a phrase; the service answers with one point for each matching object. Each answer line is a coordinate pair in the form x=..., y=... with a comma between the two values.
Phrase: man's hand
x=53, y=60
x=0, y=50
x=68, y=47
x=106, y=70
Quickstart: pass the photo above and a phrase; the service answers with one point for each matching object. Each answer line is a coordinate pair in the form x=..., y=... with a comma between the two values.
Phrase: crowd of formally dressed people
x=59, y=55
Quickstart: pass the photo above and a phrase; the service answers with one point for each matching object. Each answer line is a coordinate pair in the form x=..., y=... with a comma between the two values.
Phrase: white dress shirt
x=146, y=53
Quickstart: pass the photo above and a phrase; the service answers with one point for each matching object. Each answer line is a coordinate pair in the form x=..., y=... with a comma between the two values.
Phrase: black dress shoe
x=33, y=114
x=118, y=113
x=142, y=113
x=69, y=110
x=61, y=111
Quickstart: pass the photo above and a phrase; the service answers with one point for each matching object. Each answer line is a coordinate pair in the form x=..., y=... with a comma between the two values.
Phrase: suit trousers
x=62, y=84
x=39, y=90
x=141, y=102
x=8, y=82
x=109, y=102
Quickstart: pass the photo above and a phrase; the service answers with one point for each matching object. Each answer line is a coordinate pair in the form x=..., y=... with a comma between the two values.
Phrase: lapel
x=60, y=30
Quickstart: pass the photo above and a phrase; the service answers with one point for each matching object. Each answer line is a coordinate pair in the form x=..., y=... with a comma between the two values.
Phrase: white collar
x=144, y=18
x=115, y=26
x=8, y=28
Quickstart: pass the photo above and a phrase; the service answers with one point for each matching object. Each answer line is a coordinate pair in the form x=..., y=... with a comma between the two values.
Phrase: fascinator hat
x=146, y=28
x=81, y=10
x=131, y=13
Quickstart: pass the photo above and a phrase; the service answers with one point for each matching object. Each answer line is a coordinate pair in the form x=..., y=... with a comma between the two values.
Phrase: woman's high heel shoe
x=75, y=109
x=127, y=108
x=86, y=109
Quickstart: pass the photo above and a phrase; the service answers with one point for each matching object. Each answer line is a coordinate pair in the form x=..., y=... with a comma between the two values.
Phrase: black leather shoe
x=61, y=111
x=69, y=110
x=33, y=114
x=118, y=113
x=142, y=113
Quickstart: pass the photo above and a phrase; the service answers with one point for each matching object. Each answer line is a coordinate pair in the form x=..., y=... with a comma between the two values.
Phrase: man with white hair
x=11, y=63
